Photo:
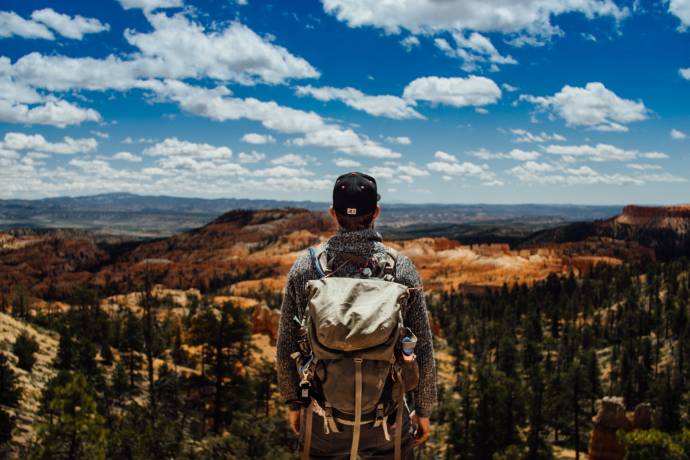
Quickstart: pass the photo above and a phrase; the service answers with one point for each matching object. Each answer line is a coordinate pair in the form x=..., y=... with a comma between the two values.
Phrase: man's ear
x=331, y=211
x=377, y=213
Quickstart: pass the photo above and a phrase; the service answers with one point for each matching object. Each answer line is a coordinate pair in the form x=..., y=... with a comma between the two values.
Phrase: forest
x=530, y=364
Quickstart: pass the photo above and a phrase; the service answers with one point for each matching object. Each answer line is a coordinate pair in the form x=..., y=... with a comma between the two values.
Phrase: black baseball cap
x=355, y=194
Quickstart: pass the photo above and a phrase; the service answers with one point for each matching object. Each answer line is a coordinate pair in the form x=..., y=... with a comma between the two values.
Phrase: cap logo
x=351, y=211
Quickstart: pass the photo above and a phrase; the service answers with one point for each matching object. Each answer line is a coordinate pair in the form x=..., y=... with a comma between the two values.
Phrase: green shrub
x=651, y=445
x=25, y=347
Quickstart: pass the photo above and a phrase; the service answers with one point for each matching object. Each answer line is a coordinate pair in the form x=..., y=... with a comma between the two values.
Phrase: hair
x=353, y=223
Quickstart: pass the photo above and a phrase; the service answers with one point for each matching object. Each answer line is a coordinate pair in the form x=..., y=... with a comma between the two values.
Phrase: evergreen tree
x=25, y=347
x=77, y=431
x=226, y=339
x=9, y=390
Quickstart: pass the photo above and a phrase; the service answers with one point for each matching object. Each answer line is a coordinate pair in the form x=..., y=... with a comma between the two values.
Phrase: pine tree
x=9, y=391
x=25, y=347
x=132, y=344
x=226, y=339
x=77, y=430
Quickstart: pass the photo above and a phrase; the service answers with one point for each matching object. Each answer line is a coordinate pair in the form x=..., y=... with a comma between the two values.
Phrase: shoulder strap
x=318, y=255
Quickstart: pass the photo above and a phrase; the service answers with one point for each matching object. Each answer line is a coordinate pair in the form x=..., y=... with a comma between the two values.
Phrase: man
x=355, y=209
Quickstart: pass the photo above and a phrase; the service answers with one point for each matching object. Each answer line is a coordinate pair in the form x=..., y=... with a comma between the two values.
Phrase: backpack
x=350, y=336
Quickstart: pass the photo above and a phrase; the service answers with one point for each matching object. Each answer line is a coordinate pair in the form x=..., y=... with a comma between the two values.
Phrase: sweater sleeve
x=416, y=318
x=288, y=332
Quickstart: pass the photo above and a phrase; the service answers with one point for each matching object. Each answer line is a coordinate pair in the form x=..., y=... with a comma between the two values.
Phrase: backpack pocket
x=337, y=383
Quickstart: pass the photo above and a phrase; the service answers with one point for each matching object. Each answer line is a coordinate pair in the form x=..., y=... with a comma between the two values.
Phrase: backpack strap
x=318, y=255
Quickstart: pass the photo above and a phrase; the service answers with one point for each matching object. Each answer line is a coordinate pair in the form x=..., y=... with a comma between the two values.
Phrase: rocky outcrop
x=674, y=218
x=604, y=443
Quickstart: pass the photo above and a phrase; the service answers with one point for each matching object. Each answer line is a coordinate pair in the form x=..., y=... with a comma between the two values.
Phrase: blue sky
x=467, y=101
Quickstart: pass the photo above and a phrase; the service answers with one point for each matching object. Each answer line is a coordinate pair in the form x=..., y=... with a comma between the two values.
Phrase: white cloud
x=346, y=163
x=172, y=147
x=473, y=49
x=681, y=9
x=292, y=159
x=71, y=27
x=36, y=142
x=410, y=42
x=644, y=167
x=13, y=24
x=510, y=88
x=678, y=135
x=281, y=171
x=53, y=112
x=443, y=156
x=600, y=152
x=532, y=17
x=127, y=156
x=179, y=48
x=258, y=139
x=379, y=106
x=522, y=135
x=465, y=169
x=401, y=140
x=552, y=174
x=251, y=157
x=150, y=5
x=141, y=140
x=515, y=154
x=216, y=105
x=593, y=106
x=457, y=92
x=685, y=73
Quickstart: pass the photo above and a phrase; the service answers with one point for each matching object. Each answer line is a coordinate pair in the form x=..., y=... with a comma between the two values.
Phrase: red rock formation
x=676, y=218
x=604, y=443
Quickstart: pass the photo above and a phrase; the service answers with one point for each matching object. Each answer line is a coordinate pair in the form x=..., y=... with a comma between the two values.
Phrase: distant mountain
x=666, y=229
x=152, y=216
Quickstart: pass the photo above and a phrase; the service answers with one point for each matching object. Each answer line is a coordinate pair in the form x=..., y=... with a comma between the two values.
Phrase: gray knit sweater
x=365, y=243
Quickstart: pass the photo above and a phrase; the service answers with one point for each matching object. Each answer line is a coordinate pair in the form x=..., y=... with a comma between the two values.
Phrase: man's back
x=340, y=250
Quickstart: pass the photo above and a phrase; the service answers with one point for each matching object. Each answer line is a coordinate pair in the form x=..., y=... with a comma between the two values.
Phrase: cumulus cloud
x=680, y=9
x=292, y=159
x=346, y=163
x=36, y=142
x=173, y=147
x=397, y=173
x=258, y=139
x=127, y=156
x=180, y=48
x=525, y=17
x=443, y=156
x=177, y=48
x=456, y=91
x=515, y=154
x=410, y=42
x=53, y=112
x=593, y=106
x=473, y=49
x=217, y=105
x=600, y=152
x=552, y=174
x=45, y=19
x=678, y=135
x=379, y=106
x=150, y=5
x=71, y=27
x=251, y=157
x=13, y=24
x=448, y=165
x=685, y=73
x=401, y=140
x=524, y=136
